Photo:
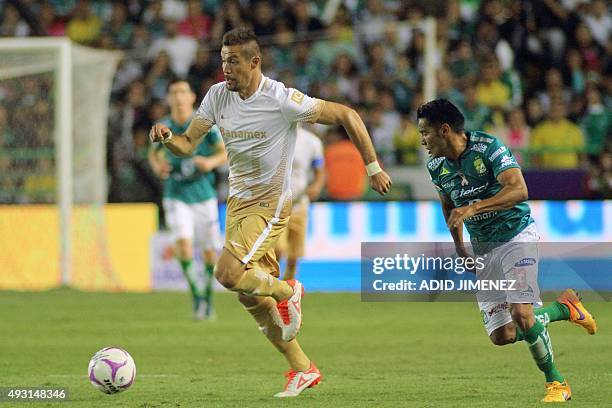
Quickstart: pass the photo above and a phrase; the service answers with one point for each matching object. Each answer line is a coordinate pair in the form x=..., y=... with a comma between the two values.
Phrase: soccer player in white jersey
x=258, y=119
x=308, y=160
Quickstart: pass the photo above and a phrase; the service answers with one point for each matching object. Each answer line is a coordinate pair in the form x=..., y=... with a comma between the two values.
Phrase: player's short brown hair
x=240, y=36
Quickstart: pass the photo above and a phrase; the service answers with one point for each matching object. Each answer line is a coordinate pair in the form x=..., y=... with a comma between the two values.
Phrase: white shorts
x=515, y=260
x=198, y=222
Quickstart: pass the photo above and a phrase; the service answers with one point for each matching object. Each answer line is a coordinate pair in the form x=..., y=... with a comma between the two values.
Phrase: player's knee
x=522, y=315
x=503, y=335
x=210, y=256
x=247, y=301
x=184, y=249
x=228, y=271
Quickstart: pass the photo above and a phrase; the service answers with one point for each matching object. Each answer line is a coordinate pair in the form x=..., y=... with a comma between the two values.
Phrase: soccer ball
x=111, y=370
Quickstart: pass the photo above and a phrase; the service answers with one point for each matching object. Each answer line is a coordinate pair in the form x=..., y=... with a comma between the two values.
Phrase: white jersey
x=259, y=135
x=309, y=155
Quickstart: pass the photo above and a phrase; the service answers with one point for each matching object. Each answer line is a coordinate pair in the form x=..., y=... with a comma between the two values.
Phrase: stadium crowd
x=535, y=73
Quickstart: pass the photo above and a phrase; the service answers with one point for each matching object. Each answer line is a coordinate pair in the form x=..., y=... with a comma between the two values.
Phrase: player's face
x=434, y=140
x=237, y=69
x=180, y=96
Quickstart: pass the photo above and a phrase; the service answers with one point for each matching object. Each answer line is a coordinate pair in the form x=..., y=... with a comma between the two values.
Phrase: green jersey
x=473, y=177
x=186, y=183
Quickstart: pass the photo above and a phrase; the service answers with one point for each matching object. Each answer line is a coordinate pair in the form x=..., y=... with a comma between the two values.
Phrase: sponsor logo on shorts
x=485, y=318
x=525, y=262
x=497, y=309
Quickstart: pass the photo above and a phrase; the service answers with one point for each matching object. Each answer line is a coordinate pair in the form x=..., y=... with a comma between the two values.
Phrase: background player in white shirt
x=308, y=165
x=258, y=120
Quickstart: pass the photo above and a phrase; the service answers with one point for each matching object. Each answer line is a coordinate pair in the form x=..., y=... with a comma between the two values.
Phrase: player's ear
x=255, y=61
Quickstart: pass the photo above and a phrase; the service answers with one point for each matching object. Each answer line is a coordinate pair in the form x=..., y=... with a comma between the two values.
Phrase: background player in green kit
x=190, y=198
x=481, y=185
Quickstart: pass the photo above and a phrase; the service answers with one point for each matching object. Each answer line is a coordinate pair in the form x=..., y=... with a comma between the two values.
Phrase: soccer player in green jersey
x=190, y=198
x=481, y=185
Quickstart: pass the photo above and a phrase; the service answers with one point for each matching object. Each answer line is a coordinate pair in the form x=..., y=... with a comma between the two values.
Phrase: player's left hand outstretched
x=459, y=214
x=380, y=182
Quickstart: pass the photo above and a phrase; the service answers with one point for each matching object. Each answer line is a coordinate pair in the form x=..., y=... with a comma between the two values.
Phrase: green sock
x=541, y=349
x=552, y=313
x=209, y=283
x=188, y=271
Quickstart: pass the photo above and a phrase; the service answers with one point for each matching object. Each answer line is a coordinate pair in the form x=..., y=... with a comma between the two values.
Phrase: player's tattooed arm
x=514, y=191
x=185, y=144
x=337, y=114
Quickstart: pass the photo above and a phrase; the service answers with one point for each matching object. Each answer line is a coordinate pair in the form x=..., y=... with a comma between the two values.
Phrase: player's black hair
x=175, y=79
x=440, y=111
x=240, y=36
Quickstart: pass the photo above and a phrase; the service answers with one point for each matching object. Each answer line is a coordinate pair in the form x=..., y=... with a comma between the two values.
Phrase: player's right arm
x=457, y=231
x=185, y=144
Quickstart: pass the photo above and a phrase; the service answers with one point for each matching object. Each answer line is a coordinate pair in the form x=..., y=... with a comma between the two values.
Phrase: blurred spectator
x=12, y=25
x=554, y=89
x=346, y=175
x=231, y=15
x=83, y=27
x=346, y=77
x=50, y=22
x=154, y=20
x=407, y=142
x=159, y=74
x=264, y=23
x=596, y=124
x=574, y=71
x=196, y=24
x=181, y=49
x=590, y=51
x=446, y=88
x=203, y=67
x=325, y=51
x=535, y=112
x=599, y=21
x=463, y=66
x=490, y=90
x=119, y=28
x=302, y=22
x=516, y=133
x=557, y=140
x=477, y=115
x=599, y=179
x=372, y=20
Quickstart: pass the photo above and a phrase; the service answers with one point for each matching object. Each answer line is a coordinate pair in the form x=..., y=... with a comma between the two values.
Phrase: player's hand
x=159, y=132
x=380, y=182
x=203, y=164
x=459, y=214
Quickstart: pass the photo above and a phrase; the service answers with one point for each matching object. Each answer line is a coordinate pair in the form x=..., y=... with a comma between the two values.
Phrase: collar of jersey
x=456, y=163
x=252, y=97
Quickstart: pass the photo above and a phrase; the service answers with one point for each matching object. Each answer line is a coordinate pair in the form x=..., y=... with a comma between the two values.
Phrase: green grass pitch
x=371, y=354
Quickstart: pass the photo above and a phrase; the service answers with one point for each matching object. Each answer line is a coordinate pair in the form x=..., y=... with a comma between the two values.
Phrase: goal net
x=54, y=99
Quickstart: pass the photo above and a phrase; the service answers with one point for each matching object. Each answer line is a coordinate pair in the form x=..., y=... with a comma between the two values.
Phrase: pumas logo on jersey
x=480, y=166
x=525, y=262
